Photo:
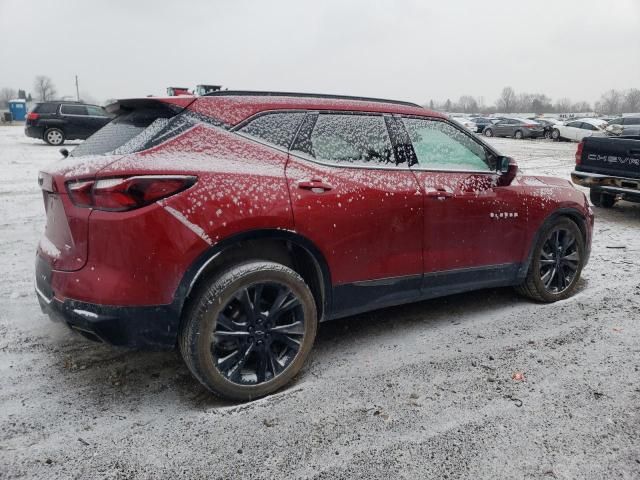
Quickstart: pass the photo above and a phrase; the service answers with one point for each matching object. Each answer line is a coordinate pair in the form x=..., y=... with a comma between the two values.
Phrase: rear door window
x=350, y=139
x=441, y=146
x=73, y=110
x=274, y=128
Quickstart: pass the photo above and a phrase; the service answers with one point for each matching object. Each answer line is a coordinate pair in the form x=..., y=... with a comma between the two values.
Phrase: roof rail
x=223, y=93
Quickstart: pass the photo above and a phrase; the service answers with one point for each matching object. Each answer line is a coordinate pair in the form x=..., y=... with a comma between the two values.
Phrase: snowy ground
x=421, y=391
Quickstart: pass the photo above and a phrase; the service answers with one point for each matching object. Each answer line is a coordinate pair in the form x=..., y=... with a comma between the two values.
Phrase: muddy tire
x=556, y=263
x=249, y=331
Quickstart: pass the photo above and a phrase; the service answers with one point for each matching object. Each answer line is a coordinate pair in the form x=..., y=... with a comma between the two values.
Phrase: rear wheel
x=547, y=134
x=601, y=199
x=250, y=330
x=556, y=264
x=488, y=132
x=54, y=136
x=518, y=135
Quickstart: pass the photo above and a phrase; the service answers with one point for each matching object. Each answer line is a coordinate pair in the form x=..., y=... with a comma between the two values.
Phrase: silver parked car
x=514, y=127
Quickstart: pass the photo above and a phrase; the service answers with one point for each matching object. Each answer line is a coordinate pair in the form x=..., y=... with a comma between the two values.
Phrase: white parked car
x=576, y=130
x=466, y=123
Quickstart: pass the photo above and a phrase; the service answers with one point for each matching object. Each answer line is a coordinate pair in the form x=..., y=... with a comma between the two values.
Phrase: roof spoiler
x=175, y=104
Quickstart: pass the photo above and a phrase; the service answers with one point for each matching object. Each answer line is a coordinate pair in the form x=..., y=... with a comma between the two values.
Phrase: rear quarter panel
x=240, y=187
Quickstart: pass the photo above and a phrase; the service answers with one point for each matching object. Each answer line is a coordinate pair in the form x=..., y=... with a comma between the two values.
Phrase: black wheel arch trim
x=199, y=266
x=572, y=213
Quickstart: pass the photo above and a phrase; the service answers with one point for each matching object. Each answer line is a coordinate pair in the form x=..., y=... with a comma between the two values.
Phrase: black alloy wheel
x=258, y=333
x=248, y=330
x=559, y=261
x=556, y=264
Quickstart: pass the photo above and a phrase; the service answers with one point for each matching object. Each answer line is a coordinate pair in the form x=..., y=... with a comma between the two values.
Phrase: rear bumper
x=145, y=327
x=627, y=188
x=34, y=132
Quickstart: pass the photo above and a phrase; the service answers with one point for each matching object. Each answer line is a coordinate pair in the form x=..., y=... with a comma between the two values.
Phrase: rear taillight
x=33, y=116
x=579, y=153
x=128, y=193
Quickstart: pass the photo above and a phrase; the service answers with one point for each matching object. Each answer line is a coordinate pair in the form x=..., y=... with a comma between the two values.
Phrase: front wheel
x=250, y=330
x=601, y=199
x=555, y=134
x=518, y=135
x=556, y=264
x=488, y=132
x=547, y=134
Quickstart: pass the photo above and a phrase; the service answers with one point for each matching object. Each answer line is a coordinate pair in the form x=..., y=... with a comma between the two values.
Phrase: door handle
x=315, y=185
x=439, y=193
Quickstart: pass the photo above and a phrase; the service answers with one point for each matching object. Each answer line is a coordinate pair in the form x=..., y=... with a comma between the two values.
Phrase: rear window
x=138, y=130
x=45, y=108
x=133, y=127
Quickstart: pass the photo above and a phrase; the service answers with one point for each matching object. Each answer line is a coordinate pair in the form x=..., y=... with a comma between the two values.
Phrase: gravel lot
x=420, y=391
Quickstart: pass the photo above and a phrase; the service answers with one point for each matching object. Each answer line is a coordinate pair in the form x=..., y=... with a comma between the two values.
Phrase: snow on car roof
x=596, y=122
x=523, y=120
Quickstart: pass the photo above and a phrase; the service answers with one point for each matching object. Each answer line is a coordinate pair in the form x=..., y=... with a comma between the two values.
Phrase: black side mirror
x=64, y=152
x=508, y=170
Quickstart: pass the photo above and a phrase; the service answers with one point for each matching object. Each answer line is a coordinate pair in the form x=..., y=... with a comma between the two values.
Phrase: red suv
x=231, y=224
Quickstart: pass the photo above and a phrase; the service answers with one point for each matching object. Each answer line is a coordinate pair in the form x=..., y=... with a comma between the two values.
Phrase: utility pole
x=77, y=89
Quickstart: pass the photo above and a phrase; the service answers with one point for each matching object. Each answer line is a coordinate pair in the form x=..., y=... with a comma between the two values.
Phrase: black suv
x=55, y=122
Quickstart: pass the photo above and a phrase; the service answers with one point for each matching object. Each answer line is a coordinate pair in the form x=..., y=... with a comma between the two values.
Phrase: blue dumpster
x=18, y=109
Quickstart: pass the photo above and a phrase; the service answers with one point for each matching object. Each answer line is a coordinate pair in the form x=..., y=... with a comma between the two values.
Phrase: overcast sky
x=414, y=50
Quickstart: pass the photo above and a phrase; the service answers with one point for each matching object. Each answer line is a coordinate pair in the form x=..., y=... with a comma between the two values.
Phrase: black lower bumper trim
x=154, y=327
x=147, y=327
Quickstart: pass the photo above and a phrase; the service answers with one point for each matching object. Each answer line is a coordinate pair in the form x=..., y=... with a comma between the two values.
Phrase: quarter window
x=275, y=128
x=96, y=111
x=73, y=110
x=440, y=146
x=46, y=108
x=351, y=139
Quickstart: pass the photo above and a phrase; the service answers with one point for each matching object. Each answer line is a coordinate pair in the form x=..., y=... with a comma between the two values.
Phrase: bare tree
x=563, y=105
x=507, y=100
x=45, y=90
x=581, y=107
x=468, y=104
x=611, y=101
x=632, y=101
x=7, y=94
